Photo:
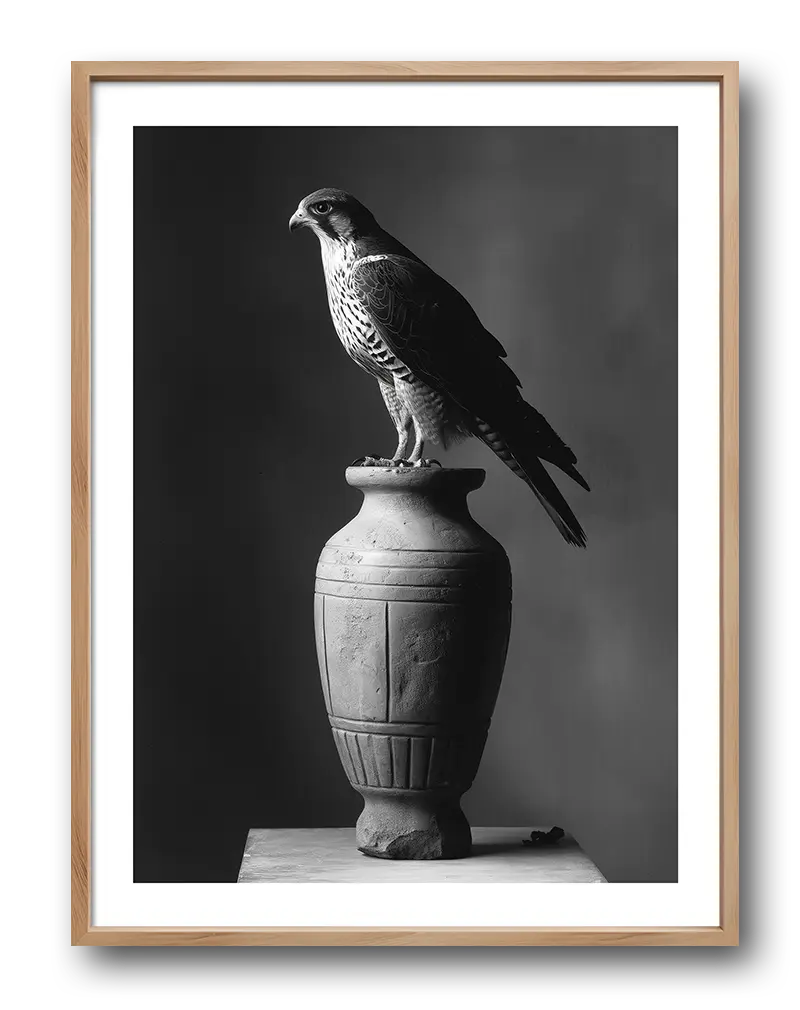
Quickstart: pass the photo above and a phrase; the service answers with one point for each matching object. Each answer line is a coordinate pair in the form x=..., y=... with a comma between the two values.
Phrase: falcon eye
x=322, y=208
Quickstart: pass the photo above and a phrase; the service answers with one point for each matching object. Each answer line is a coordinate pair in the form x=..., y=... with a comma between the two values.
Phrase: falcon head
x=333, y=215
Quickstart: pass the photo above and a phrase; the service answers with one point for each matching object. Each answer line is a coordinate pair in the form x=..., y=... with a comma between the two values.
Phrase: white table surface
x=316, y=855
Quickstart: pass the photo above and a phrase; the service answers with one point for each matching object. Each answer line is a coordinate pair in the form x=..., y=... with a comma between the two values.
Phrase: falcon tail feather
x=549, y=446
x=527, y=465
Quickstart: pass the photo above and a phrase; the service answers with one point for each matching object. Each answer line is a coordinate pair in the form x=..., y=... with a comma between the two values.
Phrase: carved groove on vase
x=410, y=728
x=355, y=757
x=322, y=647
x=420, y=758
x=387, y=660
x=344, y=755
x=401, y=755
x=438, y=764
x=342, y=555
x=325, y=652
x=414, y=763
x=344, y=589
x=415, y=576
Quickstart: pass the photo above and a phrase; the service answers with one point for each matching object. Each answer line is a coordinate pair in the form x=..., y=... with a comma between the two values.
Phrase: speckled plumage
x=407, y=398
x=439, y=370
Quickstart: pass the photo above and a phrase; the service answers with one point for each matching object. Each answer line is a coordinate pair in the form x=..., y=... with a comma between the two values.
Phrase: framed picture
x=428, y=306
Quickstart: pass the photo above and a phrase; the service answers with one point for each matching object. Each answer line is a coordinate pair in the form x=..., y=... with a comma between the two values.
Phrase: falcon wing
x=435, y=332
x=427, y=324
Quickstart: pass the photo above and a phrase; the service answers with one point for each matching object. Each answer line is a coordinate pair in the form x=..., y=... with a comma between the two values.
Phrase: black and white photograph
x=405, y=504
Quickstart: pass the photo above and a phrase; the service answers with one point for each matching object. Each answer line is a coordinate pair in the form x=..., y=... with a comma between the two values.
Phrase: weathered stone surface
x=412, y=616
x=330, y=855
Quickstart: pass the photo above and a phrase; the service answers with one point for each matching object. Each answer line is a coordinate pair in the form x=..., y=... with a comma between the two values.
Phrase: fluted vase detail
x=412, y=616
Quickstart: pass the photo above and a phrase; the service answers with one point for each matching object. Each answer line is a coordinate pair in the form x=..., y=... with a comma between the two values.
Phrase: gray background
x=247, y=411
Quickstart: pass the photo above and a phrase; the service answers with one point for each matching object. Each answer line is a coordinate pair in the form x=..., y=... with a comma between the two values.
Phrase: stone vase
x=412, y=616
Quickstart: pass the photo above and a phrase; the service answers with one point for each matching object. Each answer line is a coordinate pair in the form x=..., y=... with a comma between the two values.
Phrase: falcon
x=441, y=373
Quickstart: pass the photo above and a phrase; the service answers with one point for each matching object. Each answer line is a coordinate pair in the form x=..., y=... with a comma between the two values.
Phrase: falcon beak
x=297, y=220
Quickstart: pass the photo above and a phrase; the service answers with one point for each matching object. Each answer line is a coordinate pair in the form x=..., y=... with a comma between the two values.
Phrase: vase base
x=414, y=825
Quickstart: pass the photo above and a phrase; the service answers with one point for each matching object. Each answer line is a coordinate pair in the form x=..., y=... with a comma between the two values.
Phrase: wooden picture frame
x=84, y=74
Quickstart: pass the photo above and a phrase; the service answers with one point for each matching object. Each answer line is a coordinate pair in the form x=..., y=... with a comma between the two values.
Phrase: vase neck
x=419, y=509
x=446, y=503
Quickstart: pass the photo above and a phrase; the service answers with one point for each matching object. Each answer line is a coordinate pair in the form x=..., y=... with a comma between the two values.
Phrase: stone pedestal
x=329, y=855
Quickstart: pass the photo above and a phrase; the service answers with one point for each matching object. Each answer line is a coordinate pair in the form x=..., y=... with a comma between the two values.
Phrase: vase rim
x=403, y=478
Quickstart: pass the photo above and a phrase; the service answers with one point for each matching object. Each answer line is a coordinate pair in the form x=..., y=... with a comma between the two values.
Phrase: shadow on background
x=247, y=411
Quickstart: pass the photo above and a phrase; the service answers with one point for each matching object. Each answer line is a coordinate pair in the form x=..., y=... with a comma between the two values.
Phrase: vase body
x=412, y=617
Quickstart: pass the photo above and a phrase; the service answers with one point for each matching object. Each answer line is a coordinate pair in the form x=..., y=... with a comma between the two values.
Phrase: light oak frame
x=726, y=74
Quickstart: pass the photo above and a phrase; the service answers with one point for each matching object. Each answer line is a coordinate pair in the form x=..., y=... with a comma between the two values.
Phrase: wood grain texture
x=344, y=936
x=405, y=71
x=729, y=503
x=83, y=75
x=80, y=499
